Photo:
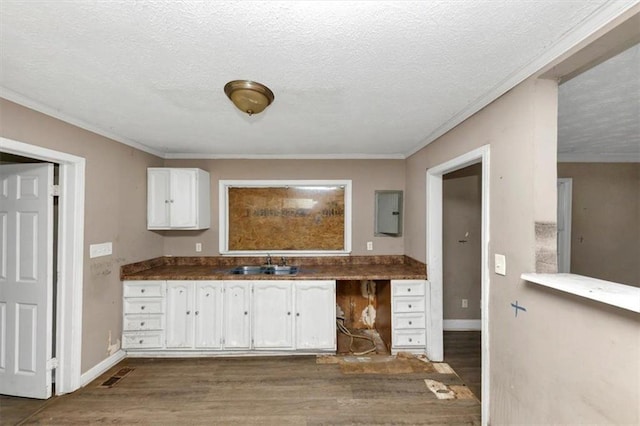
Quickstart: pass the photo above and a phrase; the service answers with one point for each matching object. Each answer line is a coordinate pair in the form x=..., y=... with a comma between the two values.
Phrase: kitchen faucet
x=283, y=260
x=269, y=261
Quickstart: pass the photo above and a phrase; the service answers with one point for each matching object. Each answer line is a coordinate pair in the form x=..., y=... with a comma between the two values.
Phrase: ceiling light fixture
x=249, y=96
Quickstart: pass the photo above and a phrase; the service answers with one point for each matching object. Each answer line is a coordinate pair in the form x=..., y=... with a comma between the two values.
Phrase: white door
x=237, y=302
x=272, y=315
x=316, y=315
x=26, y=279
x=208, y=314
x=158, y=198
x=180, y=314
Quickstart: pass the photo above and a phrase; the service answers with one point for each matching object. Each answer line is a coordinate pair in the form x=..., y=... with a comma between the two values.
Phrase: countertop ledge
x=310, y=268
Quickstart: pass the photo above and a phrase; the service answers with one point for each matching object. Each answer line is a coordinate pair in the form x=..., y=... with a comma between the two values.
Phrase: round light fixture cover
x=249, y=96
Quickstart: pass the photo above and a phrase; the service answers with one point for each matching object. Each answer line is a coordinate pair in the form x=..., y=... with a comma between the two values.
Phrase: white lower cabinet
x=229, y=316
x=237, y=318
x=194, y=314
x=273, y=314
x=408, y=316
x=315, y=319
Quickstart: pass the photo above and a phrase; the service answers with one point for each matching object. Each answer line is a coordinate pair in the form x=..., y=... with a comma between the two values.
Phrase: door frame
x=67, y=359
x=564, y=212
x=434, y=339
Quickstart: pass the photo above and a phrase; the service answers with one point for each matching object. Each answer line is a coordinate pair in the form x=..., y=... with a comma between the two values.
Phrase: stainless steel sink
x=266, y=270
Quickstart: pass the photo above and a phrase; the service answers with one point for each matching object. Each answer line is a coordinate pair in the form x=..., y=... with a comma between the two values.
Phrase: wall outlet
x=97, y=250
x=198, y=247
x=501, y=264
x=465, y=303
x=369, y=245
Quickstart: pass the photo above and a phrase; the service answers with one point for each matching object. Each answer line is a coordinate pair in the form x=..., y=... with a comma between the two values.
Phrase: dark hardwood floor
x=462, y=351
x=267, y=390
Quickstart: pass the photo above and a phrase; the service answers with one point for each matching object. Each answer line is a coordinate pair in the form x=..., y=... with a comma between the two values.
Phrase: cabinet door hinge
x=55, y=190
x=52, y=364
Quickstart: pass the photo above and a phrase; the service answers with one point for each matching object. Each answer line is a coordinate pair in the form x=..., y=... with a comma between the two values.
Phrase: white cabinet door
x=158, y=198
x=315, y=314
x=208, y=314
x=237, y=319
x=183, y=204
x=180, y=315
x=272, y=315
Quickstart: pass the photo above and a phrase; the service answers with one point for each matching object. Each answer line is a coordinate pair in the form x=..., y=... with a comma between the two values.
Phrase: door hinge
x=52, y=364
x=55, y=190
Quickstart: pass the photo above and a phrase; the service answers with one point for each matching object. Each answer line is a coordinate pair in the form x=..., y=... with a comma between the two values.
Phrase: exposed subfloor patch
x=113, y=380
x=403, y=363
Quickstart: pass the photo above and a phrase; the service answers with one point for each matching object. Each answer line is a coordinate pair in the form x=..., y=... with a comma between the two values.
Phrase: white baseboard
x=462, y=325
x=101, y=367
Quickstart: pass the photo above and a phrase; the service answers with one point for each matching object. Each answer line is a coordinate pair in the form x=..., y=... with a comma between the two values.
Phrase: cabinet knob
x=197, y=312
x=408, y=290
x=171, y=201
x=140, y=341
x=166, y=201
x=188, y=312
x=297, y=314
x=246, y=313
x=410, y=339
x=410, y=323
x=142, y=324
x=142, y=291
x=207, y=295
x=409, y=305
x=142, y=308
x=288, y=313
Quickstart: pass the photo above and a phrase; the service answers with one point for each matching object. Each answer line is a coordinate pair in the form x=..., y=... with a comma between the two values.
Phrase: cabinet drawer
x=134, y=340
x=408, y=288
x=143, y=289
x=408, y=304
x=142, y=322
x=408, y=321
x=143, y=306
x=406, y=338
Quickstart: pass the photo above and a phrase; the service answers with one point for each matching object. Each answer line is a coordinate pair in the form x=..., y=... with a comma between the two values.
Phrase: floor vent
x=113, y=380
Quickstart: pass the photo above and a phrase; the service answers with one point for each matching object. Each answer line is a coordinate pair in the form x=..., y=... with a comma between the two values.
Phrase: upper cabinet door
x=158, y=198
x=183, y=206
x=178, y=198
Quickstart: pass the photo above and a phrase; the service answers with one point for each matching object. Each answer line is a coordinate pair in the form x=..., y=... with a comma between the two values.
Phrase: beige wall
x=461, y=214
x=605, y=220
x=566, y=360
x=367, y=176
x=115, y=210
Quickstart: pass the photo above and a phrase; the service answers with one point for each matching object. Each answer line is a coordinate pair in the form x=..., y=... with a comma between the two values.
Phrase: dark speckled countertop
x=310, y=268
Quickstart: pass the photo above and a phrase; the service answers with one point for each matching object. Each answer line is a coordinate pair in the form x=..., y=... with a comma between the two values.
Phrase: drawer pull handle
x=142, y=308
x=141, y=341
x=207, y=294
x=142, y=324
x=410, y=323
x=410, y=339
x=408, y=290
x=142, y=291
x=409, y=305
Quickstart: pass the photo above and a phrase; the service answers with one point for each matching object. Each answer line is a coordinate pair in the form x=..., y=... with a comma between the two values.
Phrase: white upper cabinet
x=178, y=198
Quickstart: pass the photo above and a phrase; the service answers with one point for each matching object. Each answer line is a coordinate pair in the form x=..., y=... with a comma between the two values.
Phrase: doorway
x=434, y=338
x=69, y=264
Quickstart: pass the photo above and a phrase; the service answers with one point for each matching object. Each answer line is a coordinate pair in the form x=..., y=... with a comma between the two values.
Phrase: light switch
x=97, y=250
x=501, y=264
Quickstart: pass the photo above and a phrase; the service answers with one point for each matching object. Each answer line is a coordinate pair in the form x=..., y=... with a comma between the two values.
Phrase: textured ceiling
x=599, y=111
x=351, y=79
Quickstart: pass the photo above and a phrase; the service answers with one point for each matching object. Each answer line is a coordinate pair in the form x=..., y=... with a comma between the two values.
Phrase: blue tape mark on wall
x=518, y=307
